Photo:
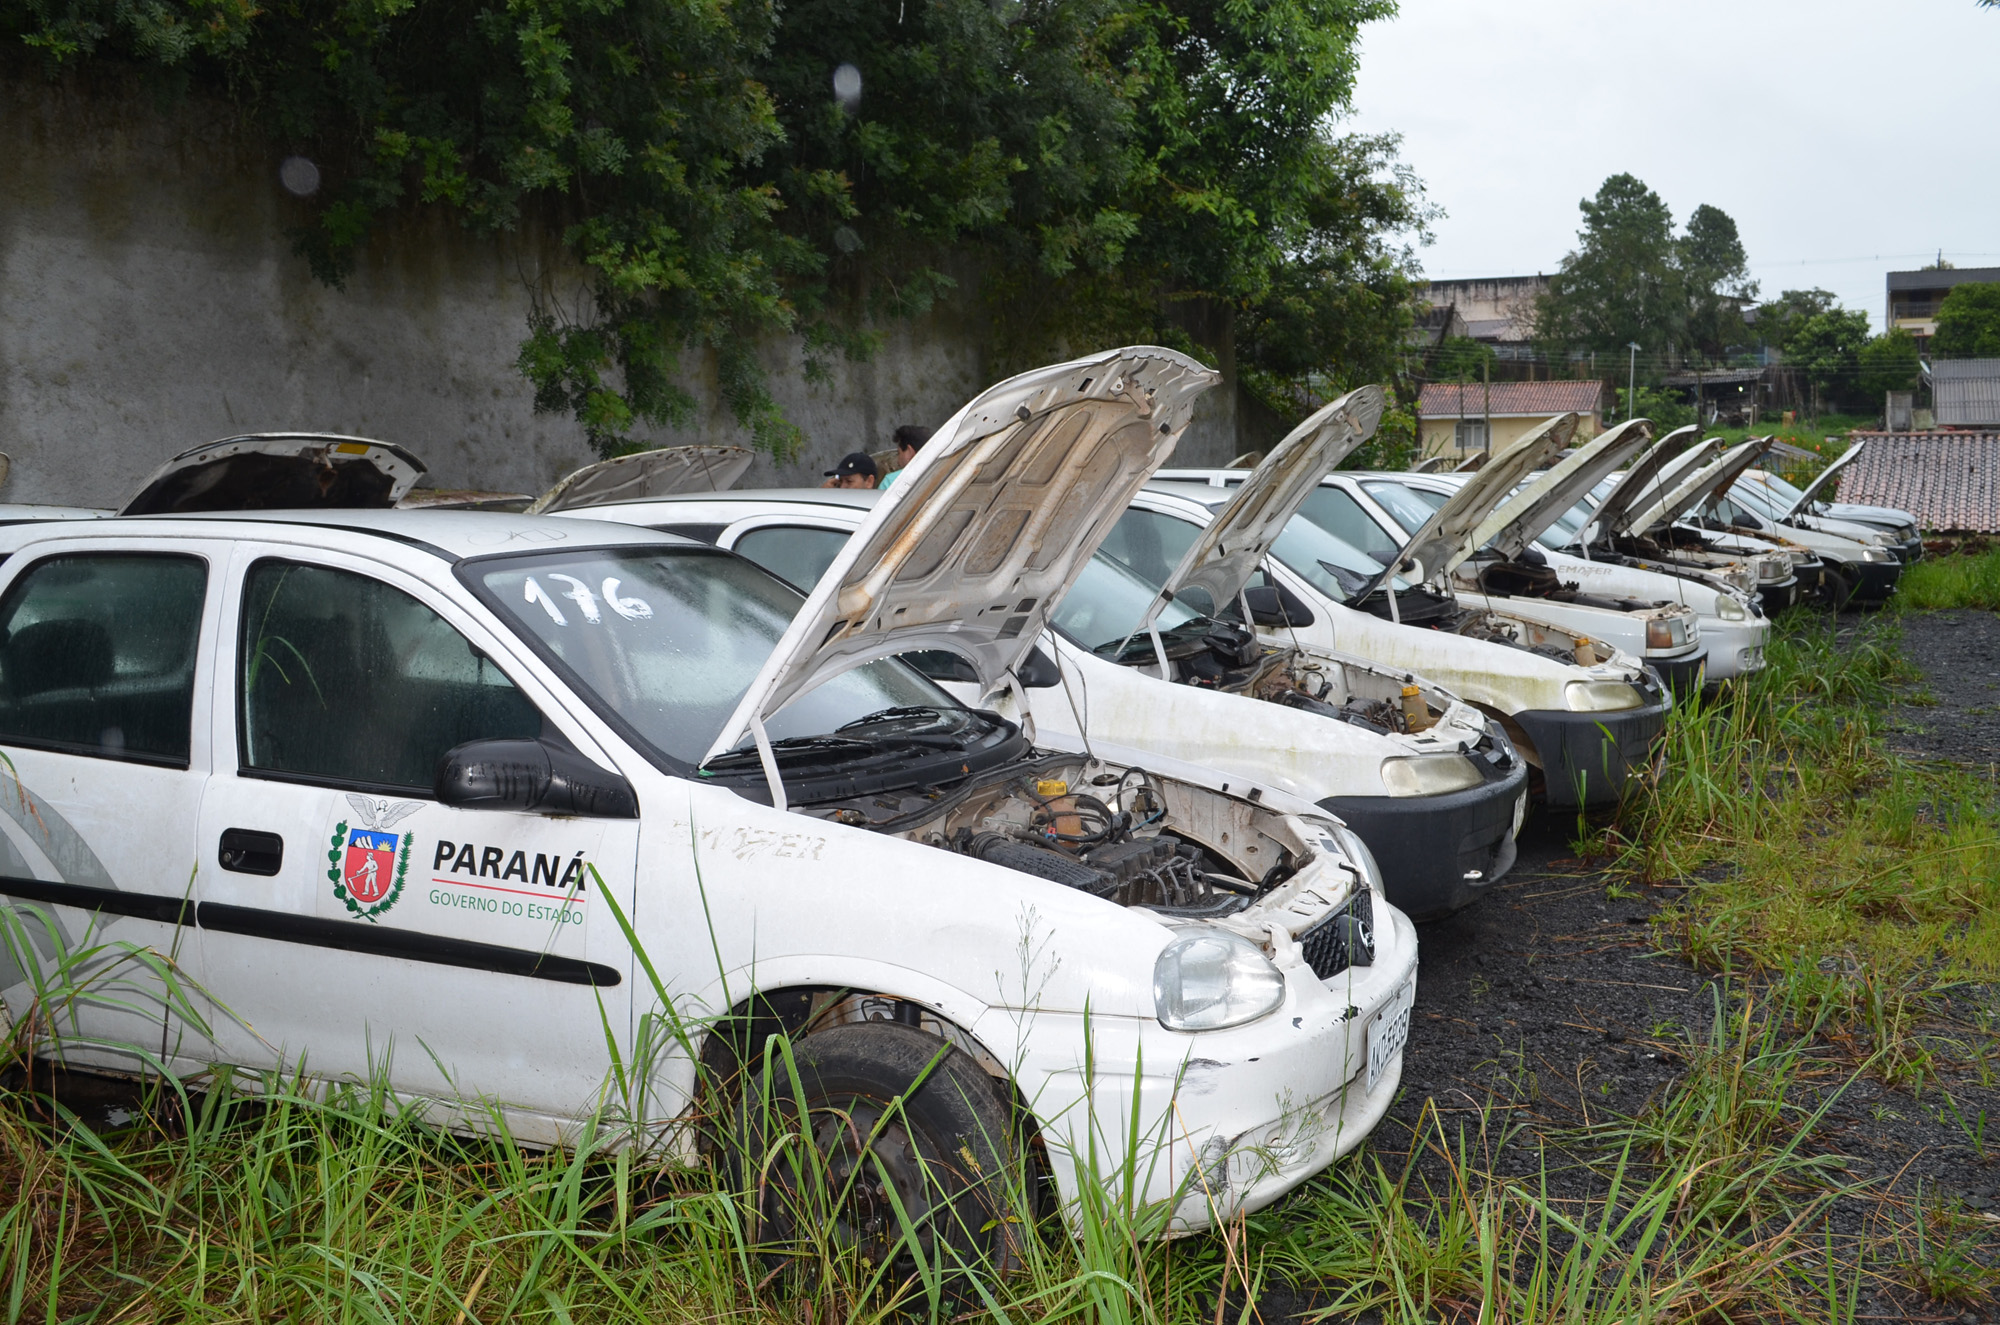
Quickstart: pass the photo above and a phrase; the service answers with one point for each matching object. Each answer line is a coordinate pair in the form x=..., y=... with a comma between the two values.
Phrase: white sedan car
x=449, y=788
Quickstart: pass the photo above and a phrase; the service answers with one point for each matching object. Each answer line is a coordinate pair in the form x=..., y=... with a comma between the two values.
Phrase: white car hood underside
x=1521, y=521
x=1451, y=534
x=1813, y=489
x=664, y=472
x=1228, y=551
x=1694, y=489
x=989, y=526
x=1645, y=480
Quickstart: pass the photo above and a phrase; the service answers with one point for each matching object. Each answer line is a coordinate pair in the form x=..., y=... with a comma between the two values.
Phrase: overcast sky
x=1847, y=138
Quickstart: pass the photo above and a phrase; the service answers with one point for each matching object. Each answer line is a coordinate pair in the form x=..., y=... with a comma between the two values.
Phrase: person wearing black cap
x=855, y=470
x=910, y=439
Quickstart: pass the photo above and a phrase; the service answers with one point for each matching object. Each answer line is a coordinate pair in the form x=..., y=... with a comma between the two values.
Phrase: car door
x=104, y=736
x=351, y=922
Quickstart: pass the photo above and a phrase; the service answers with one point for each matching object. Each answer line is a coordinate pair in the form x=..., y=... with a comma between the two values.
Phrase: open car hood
x=1643, y=482
x=1522, y=520
x=1228, y=551
x=1693, y=489
x=988, y=527
x=279, y=471
x=1818, y=485
x=667, y=471
x=1449, y=536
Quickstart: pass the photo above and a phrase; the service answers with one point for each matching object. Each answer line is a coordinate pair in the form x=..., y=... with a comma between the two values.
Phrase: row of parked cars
x=1052, y=791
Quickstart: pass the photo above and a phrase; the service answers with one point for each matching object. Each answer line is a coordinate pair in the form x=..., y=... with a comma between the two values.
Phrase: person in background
x=855, y=470
x=910, y=439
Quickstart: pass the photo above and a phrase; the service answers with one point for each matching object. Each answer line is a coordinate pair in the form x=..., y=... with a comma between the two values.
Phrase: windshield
x=1779, y=487
x=665, y=641
x=1752, y=498
x=1336, y=511
x=1331, y=565
x=1408, y=507
x=1106, y=603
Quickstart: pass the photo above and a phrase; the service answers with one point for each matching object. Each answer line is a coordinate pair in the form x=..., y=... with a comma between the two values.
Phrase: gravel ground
x=1959, y=654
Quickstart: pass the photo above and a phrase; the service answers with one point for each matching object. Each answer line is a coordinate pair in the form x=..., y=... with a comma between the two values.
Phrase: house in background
x=1914, y=297
x=1458, y=418
x=1493, y=310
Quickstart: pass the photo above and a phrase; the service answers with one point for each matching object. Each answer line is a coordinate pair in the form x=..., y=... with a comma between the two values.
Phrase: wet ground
x=1959, y=654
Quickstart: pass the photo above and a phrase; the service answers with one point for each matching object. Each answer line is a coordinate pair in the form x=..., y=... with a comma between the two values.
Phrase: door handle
x=247, y=851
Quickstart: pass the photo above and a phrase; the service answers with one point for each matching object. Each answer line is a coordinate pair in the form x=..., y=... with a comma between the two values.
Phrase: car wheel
x=903, y=1152
x=1835, y=589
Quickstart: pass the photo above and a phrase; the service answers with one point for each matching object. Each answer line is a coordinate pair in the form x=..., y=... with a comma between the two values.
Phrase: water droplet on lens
x=299, y=176
x=847, y=85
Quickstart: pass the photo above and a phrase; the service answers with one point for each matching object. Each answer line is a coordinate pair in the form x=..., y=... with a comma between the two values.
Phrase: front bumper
x=1587, y=758
x=1735, y=648
x=1440, y=853
x=1874, y=581
x=1225, y=1121
x=1778, y=596
x=1684, y=675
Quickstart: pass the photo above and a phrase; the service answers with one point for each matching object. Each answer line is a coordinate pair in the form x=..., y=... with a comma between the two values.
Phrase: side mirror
x=1038, y=671
x=535, y=776
x=1275, y=605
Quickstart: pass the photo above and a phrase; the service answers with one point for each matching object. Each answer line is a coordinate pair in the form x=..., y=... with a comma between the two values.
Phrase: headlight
x=1207, y=979
x=1729, y=609
x=1429, y=775
x=1667, y=634
x=1363, y=858
x=1877, y=554
x=1600, y=696
x=1800, y=556
x=1738, y=577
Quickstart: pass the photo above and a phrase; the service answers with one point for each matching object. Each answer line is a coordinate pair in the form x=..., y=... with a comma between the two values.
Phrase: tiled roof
x=1451, y=400
x=1949, y=480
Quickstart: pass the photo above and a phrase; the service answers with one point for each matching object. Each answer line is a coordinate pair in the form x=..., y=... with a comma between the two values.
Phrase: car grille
x=1345, y=938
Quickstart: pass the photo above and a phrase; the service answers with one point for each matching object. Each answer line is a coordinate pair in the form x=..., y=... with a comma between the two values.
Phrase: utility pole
x=1486, y=412
x=1632, y=380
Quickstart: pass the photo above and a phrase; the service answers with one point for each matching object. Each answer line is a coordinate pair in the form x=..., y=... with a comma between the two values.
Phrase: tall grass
x=1964, y=579
x=1853, y=888
x=1866, y=884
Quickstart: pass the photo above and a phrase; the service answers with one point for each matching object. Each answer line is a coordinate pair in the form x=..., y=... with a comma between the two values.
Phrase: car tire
x=1835, y=588
x=887, y=1106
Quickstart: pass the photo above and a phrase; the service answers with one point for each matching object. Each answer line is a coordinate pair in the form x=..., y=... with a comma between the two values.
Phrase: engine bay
x=1127, y=835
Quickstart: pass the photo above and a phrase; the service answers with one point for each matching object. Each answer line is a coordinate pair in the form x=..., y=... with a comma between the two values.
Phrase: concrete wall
x=149, y=300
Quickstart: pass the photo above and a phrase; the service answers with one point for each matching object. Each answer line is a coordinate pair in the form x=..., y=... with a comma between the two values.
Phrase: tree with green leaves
x=1715, y=274
x=1777, y=319
x=1106, y=170
x=1826, y=347
x=1889, y=362
x=1632, y=280
x=1622, y=284
x=1968, y=324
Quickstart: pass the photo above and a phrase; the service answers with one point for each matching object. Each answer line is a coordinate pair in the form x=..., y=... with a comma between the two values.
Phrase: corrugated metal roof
x=1966, y=392
x=1949, y=480
x=1453, y=400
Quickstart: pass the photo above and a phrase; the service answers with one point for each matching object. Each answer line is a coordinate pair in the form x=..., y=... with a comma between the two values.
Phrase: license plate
x=1387, y=1033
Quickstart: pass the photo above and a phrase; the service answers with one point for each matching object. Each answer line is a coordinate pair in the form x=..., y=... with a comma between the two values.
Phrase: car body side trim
x=110, y=901
x=343, y=935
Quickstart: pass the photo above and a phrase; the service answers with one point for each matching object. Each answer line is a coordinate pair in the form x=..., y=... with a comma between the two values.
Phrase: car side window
x=97, y=655
x=346, y=680
x=796, y=554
